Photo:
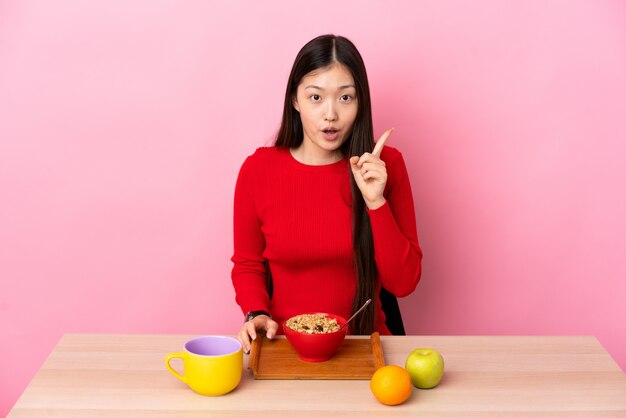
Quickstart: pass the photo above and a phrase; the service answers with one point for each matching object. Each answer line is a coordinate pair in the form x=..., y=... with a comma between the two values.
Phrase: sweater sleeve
x=396, y=248
x=248, y=273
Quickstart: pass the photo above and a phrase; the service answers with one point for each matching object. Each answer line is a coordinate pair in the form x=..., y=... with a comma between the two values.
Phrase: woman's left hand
x=370, y=174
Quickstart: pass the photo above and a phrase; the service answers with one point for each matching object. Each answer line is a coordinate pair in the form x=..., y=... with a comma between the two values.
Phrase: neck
x=309, y=156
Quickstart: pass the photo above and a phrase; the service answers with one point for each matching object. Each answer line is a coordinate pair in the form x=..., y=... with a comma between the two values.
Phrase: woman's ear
x=294, y=102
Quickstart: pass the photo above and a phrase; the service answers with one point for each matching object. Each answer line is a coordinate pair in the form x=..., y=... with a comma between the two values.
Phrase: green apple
x=425, y=365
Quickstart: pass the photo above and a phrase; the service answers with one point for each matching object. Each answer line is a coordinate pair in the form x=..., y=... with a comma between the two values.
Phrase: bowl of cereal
x=315, y=336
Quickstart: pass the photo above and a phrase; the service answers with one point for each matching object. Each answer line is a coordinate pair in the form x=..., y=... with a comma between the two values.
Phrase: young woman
x=323, y=219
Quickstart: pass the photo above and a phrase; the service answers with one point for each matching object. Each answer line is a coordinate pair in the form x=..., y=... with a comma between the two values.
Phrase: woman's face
x=327, y=103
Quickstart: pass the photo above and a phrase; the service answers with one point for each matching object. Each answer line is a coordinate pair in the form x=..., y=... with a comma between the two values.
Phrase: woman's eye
x=346, y=98
x=316, y=97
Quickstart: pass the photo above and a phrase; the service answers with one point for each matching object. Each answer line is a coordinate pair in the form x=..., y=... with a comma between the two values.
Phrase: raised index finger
x=381, y=142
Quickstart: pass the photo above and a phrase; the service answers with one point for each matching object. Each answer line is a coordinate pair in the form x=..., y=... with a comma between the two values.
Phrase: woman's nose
x=331, y=114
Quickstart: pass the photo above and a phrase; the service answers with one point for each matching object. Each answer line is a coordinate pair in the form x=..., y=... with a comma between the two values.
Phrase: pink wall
x=123, y=126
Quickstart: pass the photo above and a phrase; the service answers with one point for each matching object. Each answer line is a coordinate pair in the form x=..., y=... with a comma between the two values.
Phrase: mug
x=213, y=364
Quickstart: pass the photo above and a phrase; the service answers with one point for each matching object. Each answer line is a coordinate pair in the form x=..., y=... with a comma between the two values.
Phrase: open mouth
x=331, y=134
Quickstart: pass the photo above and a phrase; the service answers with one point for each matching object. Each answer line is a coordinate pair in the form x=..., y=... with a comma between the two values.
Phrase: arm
x=248, y=273
x=396, y=248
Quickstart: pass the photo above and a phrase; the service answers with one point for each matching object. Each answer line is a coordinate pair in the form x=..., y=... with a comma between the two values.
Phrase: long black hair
x=322, y=52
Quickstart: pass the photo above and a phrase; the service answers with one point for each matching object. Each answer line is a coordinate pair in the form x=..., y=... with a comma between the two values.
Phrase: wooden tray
x=356, y=359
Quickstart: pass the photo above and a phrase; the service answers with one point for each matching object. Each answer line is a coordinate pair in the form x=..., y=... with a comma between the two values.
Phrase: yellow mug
x=213, y=364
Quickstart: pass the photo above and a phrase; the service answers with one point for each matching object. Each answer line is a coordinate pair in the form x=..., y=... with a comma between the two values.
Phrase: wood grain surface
x=91, y=376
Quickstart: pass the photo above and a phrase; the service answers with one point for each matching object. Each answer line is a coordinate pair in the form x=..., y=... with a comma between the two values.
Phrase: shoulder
x=391, y=156
x=396, y=168
x=261, y=165
x=262, y=156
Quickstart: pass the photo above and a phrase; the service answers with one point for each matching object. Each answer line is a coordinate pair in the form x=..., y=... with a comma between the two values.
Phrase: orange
x=391, y=385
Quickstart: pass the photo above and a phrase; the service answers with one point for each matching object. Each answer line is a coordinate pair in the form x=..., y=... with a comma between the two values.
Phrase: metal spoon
x=367, y=302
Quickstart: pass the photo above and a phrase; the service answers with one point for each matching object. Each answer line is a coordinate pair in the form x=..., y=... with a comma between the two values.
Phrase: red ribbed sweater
x=298, y=217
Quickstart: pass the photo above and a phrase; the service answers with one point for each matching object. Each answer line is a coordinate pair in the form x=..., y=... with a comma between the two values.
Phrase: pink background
x=123, y=126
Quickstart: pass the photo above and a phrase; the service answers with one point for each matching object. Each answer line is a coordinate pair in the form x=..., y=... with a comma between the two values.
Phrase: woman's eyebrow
x=347, y=86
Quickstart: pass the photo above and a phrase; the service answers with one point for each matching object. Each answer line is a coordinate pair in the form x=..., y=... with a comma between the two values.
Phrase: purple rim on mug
x=213, y=346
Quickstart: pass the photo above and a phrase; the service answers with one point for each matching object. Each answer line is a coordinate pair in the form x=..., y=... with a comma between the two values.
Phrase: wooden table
x=125, y=376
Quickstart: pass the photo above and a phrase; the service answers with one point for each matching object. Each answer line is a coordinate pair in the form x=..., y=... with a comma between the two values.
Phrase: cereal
x=313, y=324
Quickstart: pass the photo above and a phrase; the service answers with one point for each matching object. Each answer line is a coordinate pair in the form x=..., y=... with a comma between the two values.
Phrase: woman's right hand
x=249, y=329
